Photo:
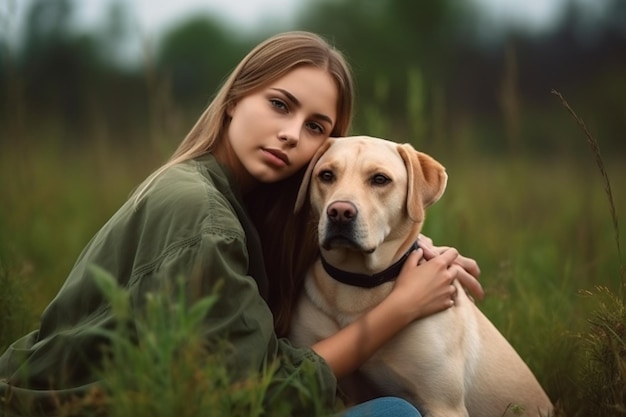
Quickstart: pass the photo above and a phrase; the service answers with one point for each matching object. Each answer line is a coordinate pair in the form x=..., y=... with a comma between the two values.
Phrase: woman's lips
x=276, y=157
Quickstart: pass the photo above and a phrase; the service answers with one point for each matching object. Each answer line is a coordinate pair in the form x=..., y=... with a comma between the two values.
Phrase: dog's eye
x=380, y=179
x=326, y=176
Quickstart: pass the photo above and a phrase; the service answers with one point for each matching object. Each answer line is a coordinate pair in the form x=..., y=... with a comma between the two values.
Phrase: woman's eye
x=278, y=104
x=380, y=179
x=326, y=176
x=316, y=127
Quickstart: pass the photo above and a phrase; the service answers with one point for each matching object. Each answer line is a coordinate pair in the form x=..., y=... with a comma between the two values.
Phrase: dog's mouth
x=344, y=236
x=341, y=241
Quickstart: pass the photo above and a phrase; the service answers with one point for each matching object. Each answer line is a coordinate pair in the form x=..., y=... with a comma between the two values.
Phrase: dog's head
x=367, y=192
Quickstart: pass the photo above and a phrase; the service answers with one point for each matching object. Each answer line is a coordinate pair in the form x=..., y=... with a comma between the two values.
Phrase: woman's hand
x=425, y=288
x=467, y=268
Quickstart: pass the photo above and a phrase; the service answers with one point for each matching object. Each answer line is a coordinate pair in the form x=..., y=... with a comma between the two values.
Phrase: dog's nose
x=341, y=212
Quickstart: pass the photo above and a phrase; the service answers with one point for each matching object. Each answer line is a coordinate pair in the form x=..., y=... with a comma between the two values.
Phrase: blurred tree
x=582, y=57
x=116, y=33
x=422, y=71
x=390, y=41
x=47, y=23
x=10, y=81
x=51, y=67
x=196, y=56
x=72, y=82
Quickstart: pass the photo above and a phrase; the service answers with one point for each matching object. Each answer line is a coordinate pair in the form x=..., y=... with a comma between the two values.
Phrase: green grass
x=171, y=352
x=541, y=230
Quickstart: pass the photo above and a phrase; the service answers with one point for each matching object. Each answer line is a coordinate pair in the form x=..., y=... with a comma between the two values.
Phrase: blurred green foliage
x=489, y=88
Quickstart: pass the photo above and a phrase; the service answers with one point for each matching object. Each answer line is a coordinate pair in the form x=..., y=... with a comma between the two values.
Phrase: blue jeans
x=383, y=407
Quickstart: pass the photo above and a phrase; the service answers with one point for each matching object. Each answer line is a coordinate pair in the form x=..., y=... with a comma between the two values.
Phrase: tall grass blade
x=595, y=148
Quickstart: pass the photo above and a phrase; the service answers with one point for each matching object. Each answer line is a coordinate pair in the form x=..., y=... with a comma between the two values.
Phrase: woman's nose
x=290, y=134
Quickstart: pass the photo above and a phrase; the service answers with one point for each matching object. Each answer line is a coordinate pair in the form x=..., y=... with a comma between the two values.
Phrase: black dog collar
x=364, y=280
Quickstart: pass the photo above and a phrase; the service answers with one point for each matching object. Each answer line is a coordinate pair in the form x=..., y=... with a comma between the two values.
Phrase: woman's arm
x=420, y=290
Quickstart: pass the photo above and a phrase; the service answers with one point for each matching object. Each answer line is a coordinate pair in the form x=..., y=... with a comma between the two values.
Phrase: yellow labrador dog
x=370, y=196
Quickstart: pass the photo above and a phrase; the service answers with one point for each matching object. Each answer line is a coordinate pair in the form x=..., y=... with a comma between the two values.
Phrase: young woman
x=221, y=210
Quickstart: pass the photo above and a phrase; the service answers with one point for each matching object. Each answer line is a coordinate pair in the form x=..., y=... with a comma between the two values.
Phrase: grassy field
x=541, y=230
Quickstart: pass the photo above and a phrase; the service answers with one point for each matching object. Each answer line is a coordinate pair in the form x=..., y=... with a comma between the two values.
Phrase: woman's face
x=276, y=130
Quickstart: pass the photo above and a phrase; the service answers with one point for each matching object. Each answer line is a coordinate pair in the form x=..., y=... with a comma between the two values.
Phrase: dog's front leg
x=429, y=360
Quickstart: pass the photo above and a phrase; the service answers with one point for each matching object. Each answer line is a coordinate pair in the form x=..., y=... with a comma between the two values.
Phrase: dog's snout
x=341, y=212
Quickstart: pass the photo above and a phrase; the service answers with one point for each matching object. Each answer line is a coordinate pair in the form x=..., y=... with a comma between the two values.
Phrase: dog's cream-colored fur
x=453, y=363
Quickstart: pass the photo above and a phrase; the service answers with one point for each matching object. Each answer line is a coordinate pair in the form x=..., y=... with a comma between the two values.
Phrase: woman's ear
x=306, y=180
x=230, y=108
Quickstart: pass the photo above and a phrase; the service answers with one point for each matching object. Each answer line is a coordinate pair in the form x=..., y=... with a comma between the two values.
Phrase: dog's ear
x=427, y=180
x=306, y=180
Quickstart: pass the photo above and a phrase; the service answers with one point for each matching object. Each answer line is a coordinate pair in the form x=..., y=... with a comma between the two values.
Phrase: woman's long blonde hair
x=289, y=240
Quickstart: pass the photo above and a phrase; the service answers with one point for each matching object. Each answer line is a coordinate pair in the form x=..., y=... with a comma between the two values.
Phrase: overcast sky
x=152, y=16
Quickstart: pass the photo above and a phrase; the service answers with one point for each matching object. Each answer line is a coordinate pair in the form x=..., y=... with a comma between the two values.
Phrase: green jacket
x=190, y=223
